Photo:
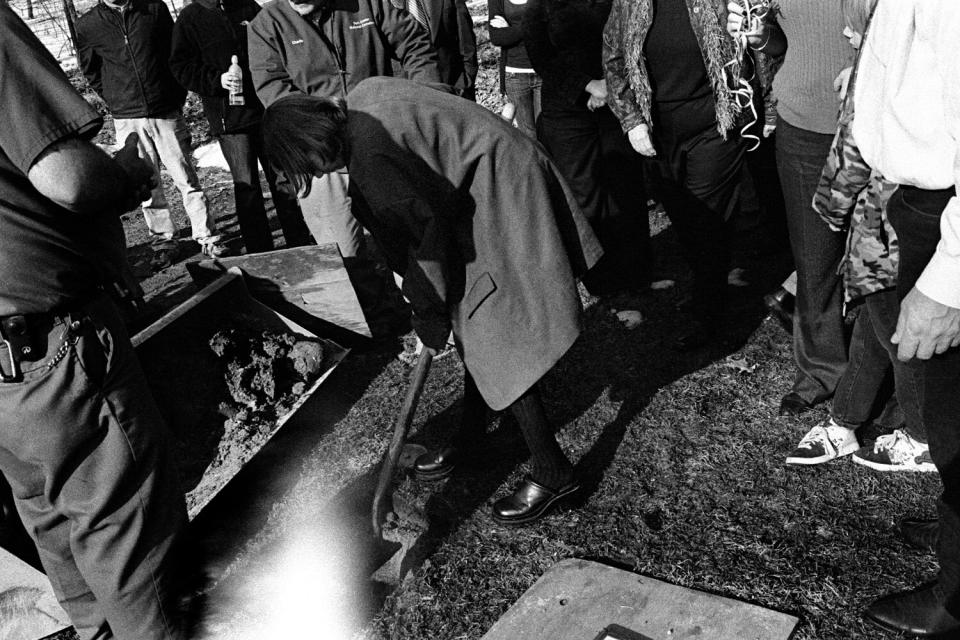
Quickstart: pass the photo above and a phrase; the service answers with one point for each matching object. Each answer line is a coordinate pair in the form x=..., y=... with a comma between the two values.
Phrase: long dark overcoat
x=479, y=222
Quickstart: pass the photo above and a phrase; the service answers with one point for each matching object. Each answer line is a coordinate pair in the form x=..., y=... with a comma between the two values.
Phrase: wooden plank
x=28, y=608
x=306, y=284
x=577, y=599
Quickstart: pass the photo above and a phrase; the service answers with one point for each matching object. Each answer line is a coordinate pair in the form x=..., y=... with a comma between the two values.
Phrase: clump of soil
x=266, y=372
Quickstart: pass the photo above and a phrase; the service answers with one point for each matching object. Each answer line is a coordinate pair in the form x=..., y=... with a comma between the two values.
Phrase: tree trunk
x=29, y=9
x=70, y=13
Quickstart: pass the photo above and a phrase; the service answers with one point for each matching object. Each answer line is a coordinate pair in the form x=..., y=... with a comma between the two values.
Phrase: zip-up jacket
x=124, y=56
x=205, y=36
x=350, y=41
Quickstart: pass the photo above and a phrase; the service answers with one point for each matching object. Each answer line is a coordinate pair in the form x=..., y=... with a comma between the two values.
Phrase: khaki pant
x=167, y=138
x=86, y=452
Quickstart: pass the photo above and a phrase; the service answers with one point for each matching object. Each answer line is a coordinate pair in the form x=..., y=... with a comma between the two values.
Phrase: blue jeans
x=868, y=369
x=523, y=91
x=819, y=338
x=929, y=390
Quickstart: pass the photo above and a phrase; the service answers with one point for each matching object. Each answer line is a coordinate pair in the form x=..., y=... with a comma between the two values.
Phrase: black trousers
x=606, y=176
x=929, y=390
x=697, y=178
x=242, y=150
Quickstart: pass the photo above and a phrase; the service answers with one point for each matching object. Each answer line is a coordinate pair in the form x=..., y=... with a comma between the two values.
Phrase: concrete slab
x=28, y=608
x=578, y=599
x=309, y=285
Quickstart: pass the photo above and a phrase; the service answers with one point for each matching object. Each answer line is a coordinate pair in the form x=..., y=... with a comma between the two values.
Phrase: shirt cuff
x=940, y=280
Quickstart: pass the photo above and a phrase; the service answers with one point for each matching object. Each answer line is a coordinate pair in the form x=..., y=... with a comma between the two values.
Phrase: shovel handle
x=382, y=500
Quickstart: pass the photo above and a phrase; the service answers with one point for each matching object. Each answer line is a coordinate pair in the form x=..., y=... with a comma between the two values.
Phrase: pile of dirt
x=265, y=372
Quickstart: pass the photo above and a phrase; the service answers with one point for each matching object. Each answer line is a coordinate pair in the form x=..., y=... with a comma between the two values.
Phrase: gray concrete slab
x=28, y=608
x=578, y=599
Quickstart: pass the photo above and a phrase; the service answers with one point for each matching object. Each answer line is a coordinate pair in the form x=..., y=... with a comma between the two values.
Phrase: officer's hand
x=140, y=173
x=925, y=327
x=499, y=22
x=640, y=140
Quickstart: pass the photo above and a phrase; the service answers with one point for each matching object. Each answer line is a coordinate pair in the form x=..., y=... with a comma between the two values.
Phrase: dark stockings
x=548, y=465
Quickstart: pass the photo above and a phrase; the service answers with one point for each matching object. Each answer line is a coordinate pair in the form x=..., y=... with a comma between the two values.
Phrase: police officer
x=82, y=443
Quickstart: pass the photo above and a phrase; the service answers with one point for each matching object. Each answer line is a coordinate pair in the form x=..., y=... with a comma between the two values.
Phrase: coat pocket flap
x=482, y=289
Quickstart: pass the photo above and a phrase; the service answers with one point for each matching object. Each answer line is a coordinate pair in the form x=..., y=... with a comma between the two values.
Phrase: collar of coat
x=708, y=19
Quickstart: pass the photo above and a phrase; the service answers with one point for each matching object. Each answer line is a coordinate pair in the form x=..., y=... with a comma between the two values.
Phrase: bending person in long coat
x=486, y=235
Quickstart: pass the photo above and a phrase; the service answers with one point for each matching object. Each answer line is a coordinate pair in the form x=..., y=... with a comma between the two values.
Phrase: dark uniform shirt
x=49, y=257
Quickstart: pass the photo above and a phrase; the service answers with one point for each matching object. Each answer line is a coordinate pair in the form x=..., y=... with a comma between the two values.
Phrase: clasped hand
x=756, y=33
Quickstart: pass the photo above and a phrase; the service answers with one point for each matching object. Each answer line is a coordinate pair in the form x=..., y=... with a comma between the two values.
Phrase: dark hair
x=296, y=126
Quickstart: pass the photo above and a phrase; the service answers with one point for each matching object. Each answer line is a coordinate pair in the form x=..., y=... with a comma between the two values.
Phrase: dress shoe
x=793, y=405
x=919, y=613
x=435, y=465
x=920, y=533
x=530, y=502
x=780, y=303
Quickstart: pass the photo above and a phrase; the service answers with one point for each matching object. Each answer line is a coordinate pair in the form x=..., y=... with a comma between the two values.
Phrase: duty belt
x=24, y=338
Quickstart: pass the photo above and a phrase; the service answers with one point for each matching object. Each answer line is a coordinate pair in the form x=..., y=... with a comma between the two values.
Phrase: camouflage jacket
x=628, y=81
x=852, y=197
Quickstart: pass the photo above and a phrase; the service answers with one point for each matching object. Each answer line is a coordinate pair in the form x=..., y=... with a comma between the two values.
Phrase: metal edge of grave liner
x=229, y=278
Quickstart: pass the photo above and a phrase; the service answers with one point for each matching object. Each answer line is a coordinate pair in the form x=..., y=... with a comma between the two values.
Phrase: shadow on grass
x=630, y=367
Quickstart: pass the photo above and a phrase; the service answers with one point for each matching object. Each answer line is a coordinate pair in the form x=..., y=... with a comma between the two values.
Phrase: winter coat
x=564, y=41
x=357, y=40
x=628, y=84
x=479, y=222
x=204, y=39
x=125, y=58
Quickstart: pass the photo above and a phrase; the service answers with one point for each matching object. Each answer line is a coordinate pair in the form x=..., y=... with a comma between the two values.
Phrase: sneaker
x=896, y=451
x=823, y=443
x=214, y=250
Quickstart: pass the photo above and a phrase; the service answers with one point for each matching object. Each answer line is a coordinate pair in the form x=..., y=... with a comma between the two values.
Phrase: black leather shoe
x=436, y=465
x=530, y=502
x=920, y=533
x=919, y=613
x=780, y=303
x=793, y=405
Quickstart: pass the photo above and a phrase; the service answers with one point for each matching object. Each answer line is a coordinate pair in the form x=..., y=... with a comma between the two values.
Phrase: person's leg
x=101, y=498
x=623, y=227
x=819, y=339
x=927, y=389
x=520, y=92
x=239, y=152
x=905, y=448
x=295, y=231
x=326, y=210
x=173, y=143
x=548, y=465
x=156, y=213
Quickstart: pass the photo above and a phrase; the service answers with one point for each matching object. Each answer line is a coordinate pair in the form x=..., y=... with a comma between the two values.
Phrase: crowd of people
x=363, y=118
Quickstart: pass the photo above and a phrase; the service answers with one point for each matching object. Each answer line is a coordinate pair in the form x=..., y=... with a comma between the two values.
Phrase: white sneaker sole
x=809, y=462
x=926, y=467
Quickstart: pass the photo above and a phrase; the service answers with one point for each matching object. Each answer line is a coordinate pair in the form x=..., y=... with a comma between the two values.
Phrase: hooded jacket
x=352, y=40
x=124, y=56
x=205, y=36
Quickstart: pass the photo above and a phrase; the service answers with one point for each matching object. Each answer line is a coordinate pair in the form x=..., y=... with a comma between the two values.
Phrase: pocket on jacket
x=483, y=287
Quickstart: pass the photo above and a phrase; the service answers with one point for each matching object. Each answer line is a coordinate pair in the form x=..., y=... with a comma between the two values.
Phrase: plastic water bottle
x=236, y=96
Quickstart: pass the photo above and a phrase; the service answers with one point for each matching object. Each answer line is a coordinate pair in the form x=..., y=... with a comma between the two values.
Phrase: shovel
x=383, y=497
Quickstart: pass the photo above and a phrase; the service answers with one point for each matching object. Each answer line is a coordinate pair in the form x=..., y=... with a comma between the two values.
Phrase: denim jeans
x=929, y=390
x=242, y=150
x=166, y=139
x=819, y=338
x=868, y=369
x=523, y=91
x=87, y=454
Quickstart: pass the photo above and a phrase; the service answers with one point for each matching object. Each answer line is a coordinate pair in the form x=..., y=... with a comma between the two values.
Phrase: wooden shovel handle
x=382, y=498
